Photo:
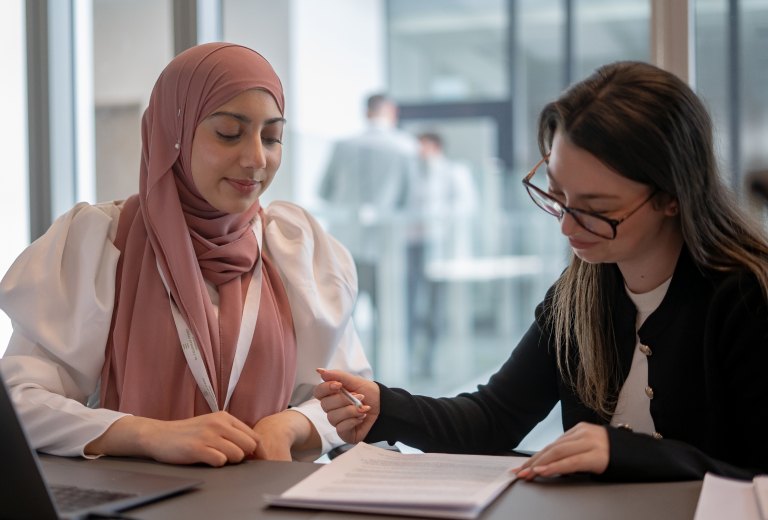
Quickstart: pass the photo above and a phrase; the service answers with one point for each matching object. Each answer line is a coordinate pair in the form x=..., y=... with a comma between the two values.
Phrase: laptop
x=57, y=490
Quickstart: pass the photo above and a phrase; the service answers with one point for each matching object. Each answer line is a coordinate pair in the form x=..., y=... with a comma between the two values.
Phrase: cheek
x=274, y=158
x=208, y=163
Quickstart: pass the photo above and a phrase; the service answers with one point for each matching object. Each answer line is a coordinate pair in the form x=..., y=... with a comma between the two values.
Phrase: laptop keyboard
x=73, y=498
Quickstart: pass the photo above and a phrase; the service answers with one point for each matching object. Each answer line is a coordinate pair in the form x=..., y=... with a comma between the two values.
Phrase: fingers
x=346, y=428
x=240, y=425
x=337, y=400
x=583, y=448
x=338, y=415
x=564, y=466
x=212, y=457
x=261, y=452
x=324, y=390
x=337, y=375
x=557, y=451
x=231, y=451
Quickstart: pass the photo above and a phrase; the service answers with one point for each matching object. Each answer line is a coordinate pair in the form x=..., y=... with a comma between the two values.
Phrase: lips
x=580, y=244
x=244, y=186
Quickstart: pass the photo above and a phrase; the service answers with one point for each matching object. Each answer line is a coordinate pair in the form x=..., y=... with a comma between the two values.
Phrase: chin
x=230, y=205
x=592, y=255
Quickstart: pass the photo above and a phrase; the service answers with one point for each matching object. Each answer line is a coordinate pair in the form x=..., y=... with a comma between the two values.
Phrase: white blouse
x=634, y=406
x=60, y=293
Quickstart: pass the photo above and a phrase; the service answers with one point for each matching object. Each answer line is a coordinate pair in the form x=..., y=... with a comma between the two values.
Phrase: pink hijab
x=170, y=224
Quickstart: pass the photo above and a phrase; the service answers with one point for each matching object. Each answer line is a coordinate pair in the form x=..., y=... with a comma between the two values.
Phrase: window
x=14, y=197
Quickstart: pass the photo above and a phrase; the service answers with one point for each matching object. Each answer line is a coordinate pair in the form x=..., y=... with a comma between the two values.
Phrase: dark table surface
x=237, y=491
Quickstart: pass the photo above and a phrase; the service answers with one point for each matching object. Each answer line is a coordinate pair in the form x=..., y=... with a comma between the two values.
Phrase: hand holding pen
x=351, y=403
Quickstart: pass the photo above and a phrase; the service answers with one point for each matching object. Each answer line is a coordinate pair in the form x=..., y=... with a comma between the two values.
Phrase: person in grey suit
x=367, y=179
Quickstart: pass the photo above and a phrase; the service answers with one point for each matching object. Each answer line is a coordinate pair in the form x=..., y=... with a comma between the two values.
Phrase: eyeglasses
x=596, y=224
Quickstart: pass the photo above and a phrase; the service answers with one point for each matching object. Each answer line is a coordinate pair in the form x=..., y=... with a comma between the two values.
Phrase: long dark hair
x=649, y=126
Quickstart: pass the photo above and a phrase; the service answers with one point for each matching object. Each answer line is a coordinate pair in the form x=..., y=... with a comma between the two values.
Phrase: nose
x=253, y=156
x=568, y=225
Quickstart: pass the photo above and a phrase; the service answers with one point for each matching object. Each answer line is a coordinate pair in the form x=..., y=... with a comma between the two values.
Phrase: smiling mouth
x=244, y=186
x=579, y=244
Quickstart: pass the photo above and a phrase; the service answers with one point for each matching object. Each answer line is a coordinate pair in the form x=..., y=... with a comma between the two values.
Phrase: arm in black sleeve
x=494, y=418
x=636, y=457
x=736, y=357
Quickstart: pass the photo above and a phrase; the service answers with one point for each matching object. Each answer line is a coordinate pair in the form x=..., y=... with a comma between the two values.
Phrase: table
x=236, y=491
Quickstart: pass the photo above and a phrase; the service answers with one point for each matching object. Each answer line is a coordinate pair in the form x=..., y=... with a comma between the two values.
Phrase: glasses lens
x=545, y=202
x=594, y=225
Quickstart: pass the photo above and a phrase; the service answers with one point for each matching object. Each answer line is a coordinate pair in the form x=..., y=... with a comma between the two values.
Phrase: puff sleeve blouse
x=60, y=295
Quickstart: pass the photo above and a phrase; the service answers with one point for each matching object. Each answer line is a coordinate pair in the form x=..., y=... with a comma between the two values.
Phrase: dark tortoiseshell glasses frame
x=557, y=209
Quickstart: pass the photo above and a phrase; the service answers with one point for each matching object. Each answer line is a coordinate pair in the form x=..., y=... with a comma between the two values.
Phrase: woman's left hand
x=584, y=447
x=286, y=430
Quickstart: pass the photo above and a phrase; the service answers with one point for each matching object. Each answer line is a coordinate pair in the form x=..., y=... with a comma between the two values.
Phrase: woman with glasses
x=655, y=337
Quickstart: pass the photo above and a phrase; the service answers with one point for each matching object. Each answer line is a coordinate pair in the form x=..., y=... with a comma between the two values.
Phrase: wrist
x=302, y=430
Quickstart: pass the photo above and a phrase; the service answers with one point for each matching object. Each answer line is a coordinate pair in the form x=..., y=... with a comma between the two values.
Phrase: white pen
x=352, y=399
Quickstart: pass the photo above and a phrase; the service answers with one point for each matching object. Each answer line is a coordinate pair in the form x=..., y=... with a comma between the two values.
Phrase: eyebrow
x=246, y=119
x=584, y=196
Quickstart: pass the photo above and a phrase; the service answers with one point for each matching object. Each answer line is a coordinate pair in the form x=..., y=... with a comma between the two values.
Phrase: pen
x=352, y=399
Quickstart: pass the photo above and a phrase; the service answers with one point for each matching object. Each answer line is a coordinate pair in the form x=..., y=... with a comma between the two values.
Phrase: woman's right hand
x=213, y=439
x=351, y=424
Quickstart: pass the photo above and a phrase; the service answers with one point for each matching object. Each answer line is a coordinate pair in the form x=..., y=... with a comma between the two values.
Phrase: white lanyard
x=247, y=328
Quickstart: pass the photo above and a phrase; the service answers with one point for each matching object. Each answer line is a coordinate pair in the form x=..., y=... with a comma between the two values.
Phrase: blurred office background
x=77, y=75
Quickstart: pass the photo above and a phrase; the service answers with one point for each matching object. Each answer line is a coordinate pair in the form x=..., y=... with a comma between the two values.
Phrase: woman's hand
x=582, y=448
x=213, y=439
x=281, y=432
x=351, y=424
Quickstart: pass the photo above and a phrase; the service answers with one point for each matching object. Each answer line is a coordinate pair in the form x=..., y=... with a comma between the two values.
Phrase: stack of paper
x=734, y=499
x=761, y=492
x=371, y=480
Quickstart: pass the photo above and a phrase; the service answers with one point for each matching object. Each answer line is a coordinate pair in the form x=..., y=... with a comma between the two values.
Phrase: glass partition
x=608, y=31
x=14, y=196
x=132, y=43
x=448, y=51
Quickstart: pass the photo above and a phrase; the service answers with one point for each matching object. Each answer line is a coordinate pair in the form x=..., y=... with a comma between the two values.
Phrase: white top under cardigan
x=634, y=406
x=60, y=293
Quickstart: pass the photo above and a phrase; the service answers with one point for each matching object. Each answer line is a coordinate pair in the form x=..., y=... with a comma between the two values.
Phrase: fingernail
x=523, y=472
x=320, y=370
x=515, y=470
x=360, y=397
x=363, y=416
x=335, y=386
x=365, y=408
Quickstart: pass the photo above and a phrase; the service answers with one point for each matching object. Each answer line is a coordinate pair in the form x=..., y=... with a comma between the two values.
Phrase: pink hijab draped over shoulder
x=170, y=224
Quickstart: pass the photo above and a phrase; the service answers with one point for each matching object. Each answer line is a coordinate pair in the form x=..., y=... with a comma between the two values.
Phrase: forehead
x=255, y=104
x=579, y=173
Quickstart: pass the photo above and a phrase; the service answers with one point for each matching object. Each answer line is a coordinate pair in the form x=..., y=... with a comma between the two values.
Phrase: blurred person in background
x=445, y=198
x=368, y=178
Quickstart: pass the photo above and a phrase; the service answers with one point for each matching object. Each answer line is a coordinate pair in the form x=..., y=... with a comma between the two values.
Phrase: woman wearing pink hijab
x=184, y=324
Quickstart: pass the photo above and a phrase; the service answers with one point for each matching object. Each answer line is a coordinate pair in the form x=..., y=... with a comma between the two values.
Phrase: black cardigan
x=708, y=369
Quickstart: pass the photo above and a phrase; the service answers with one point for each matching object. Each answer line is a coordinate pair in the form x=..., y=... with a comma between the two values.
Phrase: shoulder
x=78, y=236
x=65, y=275
x=736, y=291
x=297, y=243
x=318, y=275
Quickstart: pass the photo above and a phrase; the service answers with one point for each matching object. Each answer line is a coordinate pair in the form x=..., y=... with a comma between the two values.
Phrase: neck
x=381, y=122
x=656, y=265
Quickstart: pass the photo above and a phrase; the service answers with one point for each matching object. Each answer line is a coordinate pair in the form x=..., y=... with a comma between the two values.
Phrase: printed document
x=372, y=480
x=761, y=492
x=726, y=498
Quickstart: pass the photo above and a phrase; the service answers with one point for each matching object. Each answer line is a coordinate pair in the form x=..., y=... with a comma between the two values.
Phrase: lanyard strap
x=247, y=328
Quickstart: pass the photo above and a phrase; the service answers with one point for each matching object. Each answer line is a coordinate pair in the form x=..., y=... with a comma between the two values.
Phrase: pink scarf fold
x=169, y=223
